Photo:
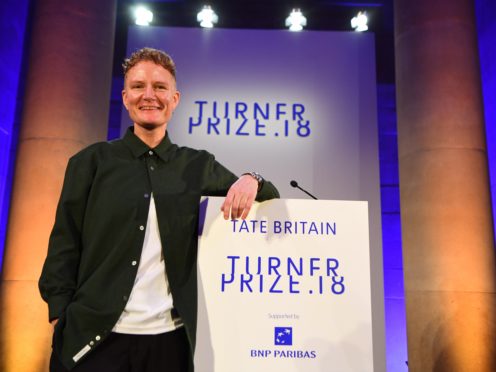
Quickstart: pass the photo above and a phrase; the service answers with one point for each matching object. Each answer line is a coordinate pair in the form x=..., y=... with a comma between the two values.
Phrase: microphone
x=295, y=184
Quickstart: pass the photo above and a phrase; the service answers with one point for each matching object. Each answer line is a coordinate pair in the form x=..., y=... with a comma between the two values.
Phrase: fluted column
x=65, y=108
x=449, y=262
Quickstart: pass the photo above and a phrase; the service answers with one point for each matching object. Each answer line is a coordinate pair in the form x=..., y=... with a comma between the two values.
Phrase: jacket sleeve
x=58, y=279
x=267, y=192
x=220, y=180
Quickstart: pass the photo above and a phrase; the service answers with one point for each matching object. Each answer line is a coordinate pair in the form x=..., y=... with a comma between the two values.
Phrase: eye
x=161, y=87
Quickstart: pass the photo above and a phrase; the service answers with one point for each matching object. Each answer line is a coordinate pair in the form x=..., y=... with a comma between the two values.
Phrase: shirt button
x=142, y=227
x=150, y=152
x=134, y=263
x=152, y=168
x=146, y=196
x=91, y=343
x=124, y=298
x=97, y=338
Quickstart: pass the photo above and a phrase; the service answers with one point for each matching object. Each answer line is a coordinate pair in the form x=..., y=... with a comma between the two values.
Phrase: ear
x=176, y=97
x=124, y=99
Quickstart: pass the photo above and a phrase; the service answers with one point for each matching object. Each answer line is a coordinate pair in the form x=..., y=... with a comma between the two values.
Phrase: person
x=120, y=275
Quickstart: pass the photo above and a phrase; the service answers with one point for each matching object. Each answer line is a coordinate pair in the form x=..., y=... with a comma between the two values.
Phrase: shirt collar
x=138, y=147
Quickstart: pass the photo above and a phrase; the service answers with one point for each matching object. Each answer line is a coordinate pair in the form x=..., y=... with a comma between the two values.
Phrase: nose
x=149, y=93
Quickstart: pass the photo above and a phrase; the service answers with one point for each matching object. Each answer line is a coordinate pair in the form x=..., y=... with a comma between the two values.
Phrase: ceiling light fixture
x=359, y=23
x=207, y=17
x=296, y=20
x=143, y=16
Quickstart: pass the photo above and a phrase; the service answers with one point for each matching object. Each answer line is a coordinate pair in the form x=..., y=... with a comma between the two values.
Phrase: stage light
x=296, y=20
x=143, y=16
x=359, y=23
x=207, y=17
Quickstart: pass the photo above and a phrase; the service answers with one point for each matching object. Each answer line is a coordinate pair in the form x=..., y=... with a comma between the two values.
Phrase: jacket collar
x=138, y=147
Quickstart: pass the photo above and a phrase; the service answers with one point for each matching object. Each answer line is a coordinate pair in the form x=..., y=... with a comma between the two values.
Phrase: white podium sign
x=288, y=289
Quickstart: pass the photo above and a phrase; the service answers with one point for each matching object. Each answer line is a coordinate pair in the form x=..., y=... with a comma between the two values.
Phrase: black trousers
x=166, y=352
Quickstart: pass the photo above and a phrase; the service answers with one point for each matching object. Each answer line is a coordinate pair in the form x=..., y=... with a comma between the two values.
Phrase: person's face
x=150, y=95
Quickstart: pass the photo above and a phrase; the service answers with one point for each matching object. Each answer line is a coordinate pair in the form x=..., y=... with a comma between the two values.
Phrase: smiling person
x=120, y=273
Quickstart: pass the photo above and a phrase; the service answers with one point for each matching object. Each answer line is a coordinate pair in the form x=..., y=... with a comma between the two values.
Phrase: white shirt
x=148, y=310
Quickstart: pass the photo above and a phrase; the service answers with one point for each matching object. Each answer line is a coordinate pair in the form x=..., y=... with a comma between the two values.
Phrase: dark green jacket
x=96, y=242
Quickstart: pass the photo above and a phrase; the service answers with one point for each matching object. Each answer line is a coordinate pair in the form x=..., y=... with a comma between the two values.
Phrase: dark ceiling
x=322, y=15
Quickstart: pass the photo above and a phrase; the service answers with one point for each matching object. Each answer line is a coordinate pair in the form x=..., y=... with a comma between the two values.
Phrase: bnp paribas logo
x=283, y=336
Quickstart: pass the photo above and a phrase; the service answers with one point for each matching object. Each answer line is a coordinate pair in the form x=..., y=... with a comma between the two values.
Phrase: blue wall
x=13, y=21
x=486, y=24
x=394, y=297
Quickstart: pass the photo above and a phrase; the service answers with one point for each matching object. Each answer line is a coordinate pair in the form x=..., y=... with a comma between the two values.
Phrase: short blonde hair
x=156, y=56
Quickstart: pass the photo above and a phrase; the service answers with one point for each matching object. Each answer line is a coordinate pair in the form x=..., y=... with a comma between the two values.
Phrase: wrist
x=257, y=178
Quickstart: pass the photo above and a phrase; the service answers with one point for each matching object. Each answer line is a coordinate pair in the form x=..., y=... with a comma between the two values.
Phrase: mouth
x=149, y=108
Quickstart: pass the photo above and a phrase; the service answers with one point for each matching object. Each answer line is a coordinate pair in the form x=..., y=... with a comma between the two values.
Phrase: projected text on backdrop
x=239, y=118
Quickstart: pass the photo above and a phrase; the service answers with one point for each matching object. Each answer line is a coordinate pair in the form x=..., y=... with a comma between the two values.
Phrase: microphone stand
x=295, y=185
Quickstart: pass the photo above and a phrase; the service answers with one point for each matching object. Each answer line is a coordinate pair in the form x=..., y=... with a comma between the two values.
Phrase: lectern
x=286, y=290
